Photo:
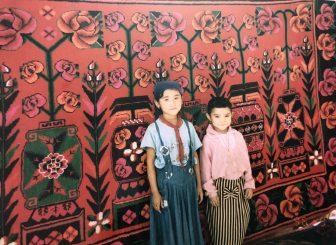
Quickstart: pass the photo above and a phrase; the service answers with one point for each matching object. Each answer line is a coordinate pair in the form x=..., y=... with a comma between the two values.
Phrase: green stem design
x=131, y=83
x=190, y=65
x=241, y=49
x=49, y=77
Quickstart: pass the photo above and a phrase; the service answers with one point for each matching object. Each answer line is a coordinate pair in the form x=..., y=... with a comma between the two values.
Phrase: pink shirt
x=224, y=155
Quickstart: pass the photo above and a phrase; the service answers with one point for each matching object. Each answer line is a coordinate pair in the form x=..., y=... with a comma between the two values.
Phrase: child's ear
x=157, y=104
x=208, y=116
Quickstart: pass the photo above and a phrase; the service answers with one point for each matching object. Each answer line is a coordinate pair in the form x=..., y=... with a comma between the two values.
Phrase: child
x=226, y=176
x=173, y=171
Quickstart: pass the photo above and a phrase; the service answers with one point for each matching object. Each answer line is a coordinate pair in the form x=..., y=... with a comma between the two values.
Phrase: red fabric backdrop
x=76, y=97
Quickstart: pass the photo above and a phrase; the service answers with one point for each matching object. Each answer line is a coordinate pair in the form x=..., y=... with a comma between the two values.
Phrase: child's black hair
x=218, y=102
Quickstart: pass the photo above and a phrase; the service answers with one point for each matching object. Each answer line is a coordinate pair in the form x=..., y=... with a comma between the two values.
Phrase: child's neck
x=170, y=118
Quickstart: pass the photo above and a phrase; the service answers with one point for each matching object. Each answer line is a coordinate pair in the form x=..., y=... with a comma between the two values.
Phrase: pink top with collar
x=224, y=155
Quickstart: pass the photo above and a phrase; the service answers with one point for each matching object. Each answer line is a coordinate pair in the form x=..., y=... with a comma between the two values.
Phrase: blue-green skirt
x=178, y=223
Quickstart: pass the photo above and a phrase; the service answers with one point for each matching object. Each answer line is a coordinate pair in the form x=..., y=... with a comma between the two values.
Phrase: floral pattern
x=53, y=166
x=177, y=62
x=116, y=77
x=142, y=49
x=317, y=187
x=121, y=137
x=327, y=87
x=326, y=43
x=301, y=22
x=326, y=18
x=208, y=25
x=291, y=207
x=141, y=21
x=32, y=105
x=30, y=71
x=115, y=49
x=266, y=22
x=67, y=69
x=330, y=155
x=121, y=169
x=113, y=21
x=266, y=213
x=328, y=113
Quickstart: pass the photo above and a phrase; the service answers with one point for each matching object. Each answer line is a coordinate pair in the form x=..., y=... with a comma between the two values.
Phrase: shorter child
x=226, y=176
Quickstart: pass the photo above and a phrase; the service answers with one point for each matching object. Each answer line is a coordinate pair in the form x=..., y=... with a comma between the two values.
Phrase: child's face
x=170, y=103
x=220, y=119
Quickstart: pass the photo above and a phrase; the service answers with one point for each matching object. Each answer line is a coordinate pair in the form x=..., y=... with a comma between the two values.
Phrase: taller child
x=173, y=171
x=226, y=176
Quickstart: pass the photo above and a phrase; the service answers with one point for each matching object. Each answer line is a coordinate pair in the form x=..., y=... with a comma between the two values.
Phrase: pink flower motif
x=183, y=81
x=30, y=71
x=279, y=76
x=31, y=105
x=202, y=83
x=121, y=169
x=133, y=152
x=166, y=27
x=251, y=42
x=141, y=21
x=326, y=18
x=116, y=77
x=315, y=191
x=301, y=22
x=266, y=213
x=267, y=23
x=330, y=155
x=200, y=60
x=129, y=216
x=53, y=166
x=113, y=20
x=142, y=49
x=68, y=69
x=327, y=87
x=295, y=51
x=231, y=67
x=227, y=22
x=13, y=23
x=140, y=132
x=208, y=24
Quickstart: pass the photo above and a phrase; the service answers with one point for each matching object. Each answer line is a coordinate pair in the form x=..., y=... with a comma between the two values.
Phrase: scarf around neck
x=177, y=134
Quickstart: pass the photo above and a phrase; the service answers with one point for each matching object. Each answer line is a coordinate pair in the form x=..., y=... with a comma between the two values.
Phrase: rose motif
x=166, y=27
x=279, y=76
x=31, y=105
x=332, y=180
x=53, y=166
x=142, y=49
x=183, y=81
x=113, y=20
x=327, y=87
x=69, y=100
x=82, y=25
x=143, y=76
x=278, y=54
x=330, y=155
x=141, y=21
x=115, y=49
x=326, y=44
x=200, y=60
x=121, y=137
x=207, y=24
x=295, y=51
x=14, y=23
x=228, y=44
x=227, y=22
x=326, y=18
x=251, y=42
x=291, y=207
x=177, y=62
x=29, y=71
x=249, y=21
x=328, y=112
x=231, y=67
x=116, y=77
x=266, y=213
x=254, y=64
x=315, y=191
x=121, y=169
x=202, y=83
x=67, y=69
x=301, y=22
x=296, y=73
x=266, y=23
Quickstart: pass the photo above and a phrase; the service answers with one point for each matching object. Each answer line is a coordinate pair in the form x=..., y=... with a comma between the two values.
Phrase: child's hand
x=157, y=202
x=248, y=193
x=214, y=201
x=200, y=194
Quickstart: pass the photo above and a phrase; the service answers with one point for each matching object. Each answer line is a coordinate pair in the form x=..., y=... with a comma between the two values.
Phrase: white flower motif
x=316, y=158
x=99, y=222
x=133, y=152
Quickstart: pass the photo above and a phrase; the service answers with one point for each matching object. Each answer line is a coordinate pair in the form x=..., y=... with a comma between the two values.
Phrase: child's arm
x=156, y=197
x=198, y=178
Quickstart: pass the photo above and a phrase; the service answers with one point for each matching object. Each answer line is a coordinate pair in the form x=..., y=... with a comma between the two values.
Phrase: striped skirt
x=229, y=221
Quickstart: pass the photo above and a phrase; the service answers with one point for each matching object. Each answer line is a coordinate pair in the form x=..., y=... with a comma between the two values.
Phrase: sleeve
x=245, y=160
x=206, y=166
x=148, y=139
x=196, y=142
